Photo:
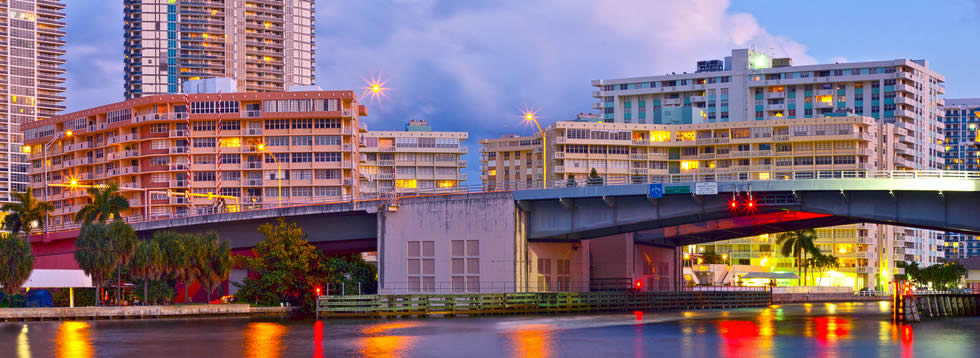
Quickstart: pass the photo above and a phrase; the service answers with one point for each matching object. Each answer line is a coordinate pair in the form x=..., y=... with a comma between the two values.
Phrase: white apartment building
x=32, y=50
x=751, y=85
x=410, y=161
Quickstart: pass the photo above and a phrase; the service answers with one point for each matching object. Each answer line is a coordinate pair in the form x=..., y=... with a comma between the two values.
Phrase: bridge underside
x=685, y=219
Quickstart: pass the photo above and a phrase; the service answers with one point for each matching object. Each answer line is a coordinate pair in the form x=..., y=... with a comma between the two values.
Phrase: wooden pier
x=425, y=305
x=914, y=308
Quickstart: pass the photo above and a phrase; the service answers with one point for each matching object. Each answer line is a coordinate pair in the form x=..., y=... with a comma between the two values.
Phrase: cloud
x=476, y=65
x=94, y=54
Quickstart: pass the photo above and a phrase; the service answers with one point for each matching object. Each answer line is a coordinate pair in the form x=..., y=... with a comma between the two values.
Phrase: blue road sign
x=656, y=191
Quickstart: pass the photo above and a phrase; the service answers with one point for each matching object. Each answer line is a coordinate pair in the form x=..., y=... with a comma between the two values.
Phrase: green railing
x=516, y=303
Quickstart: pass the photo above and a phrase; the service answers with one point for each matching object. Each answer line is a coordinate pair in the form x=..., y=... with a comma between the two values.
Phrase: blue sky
x=474, y=65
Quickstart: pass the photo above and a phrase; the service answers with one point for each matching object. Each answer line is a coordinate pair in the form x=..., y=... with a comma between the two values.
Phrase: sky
x=475, y=65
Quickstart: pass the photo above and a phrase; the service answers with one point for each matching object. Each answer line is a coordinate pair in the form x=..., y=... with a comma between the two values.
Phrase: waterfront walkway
x=136, y=312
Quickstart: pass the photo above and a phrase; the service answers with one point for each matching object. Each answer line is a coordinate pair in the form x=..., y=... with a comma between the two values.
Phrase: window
x=421, y=270
x=544, y=275
x=302, y=123
x=277, y=141
x=303, y=191
x=302, y=157
x=465, y=265
x=214, y=107
x=326, y=174
x=202, y=126
x=327, y=157
x=231, y=125
x=204, y=176
x=326, y=123
x=327, y=191
x=231, y=159
x=205, y=142
x=277, y=124
x=327, y=140
x=803, y=161
x=301, y=174
x=303, y=140
x=823, y=160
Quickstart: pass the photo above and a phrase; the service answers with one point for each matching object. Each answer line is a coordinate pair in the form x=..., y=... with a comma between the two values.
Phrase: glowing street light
x=375, y=88
x=530, y=117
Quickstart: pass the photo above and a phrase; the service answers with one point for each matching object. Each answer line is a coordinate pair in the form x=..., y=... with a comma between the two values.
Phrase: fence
x=424, y=305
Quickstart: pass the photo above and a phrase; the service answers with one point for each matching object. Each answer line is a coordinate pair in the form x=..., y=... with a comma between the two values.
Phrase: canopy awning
x=58, y=279
x=772, y=275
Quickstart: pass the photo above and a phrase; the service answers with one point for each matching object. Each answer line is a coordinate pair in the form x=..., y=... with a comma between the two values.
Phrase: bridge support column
x=678, y=268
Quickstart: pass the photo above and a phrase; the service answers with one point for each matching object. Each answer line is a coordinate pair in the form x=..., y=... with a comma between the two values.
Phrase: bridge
x=515, y=230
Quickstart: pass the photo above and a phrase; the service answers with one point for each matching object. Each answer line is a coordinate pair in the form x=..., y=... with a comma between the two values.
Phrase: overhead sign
x=678, y=189
x=705, y=188
x=656, y=191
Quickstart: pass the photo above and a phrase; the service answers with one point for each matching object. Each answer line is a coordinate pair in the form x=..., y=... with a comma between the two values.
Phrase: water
x=810, y=330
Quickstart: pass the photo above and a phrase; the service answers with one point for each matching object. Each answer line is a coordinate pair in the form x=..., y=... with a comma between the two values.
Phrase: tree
x=711, y=258
x=175, y=256
x=147, y=264
x=213, y=261
x=122, y=240
x=16, y=263
x=594, y=178
x=106, y=204
x=281, y=266
x=796, y=244
x=25, y=213
x=825, y=262
x=95, y=255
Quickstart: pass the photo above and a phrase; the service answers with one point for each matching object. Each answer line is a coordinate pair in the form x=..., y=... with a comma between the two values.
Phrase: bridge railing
x=246, y=204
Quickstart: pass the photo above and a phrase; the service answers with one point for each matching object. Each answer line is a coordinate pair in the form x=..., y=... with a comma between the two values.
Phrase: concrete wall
x=487, y=219
x=619, y=257
x=565, y=265
x=655, y=268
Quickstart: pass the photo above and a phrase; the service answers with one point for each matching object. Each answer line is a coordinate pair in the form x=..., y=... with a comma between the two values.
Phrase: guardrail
x=585, y=182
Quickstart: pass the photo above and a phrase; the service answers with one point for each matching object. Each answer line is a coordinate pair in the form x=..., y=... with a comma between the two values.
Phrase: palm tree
x=825, y=262
x=147, y=263
x=122, y=239
x=175, y=256
x=795, y=244
x=95, y=255
x=16, y=263
x=214, y=262
x=25, y=213
x=106, y=204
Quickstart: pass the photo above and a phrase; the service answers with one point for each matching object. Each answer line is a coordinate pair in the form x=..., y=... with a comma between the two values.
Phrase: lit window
x=492, y=172
x=689, y=164
x=659, y=136
x=825, y=99
x=446, y=183
x=406, y=183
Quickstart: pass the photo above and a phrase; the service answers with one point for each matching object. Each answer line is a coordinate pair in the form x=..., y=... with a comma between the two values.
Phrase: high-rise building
x=750, y=85
x=243, y=146
x=962, y=118
x=756, y=150
x=32, y=68
x=264, y=45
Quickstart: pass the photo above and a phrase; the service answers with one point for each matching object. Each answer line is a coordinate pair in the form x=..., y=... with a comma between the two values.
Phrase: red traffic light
x=639, y=284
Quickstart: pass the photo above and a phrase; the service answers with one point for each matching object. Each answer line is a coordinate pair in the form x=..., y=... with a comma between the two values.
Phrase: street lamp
x=44, y=152
x=261, y=147
x=530, y=117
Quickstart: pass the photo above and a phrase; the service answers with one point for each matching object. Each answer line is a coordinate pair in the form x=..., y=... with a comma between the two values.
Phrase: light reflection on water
x=73, y=340
x=263, y=339
x=860, y=329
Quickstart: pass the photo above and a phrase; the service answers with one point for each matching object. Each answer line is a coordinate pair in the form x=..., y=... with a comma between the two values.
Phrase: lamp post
x=262, y=148
x=529, y=117
x=44, y=163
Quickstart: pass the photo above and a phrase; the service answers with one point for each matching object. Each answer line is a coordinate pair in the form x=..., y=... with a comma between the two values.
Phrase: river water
x=805, y=330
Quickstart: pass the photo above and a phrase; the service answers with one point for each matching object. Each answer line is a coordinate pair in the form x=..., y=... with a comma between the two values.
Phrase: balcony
x=179, y=150
x=905, y=88
x=179, y=133
x=904, y=113
x=698, y=98
x=461, y=163
x=775, y=107
x=178, y=166
x=253, y=131
x=776, y=95
x=251, y=114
